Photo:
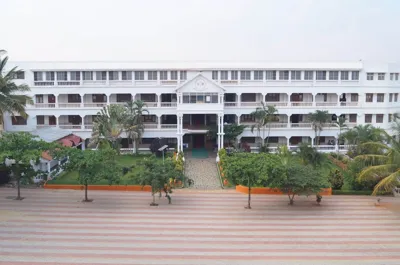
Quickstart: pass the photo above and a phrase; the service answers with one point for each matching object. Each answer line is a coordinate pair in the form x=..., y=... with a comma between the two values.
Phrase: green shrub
x=351, y=192
x=336, y=179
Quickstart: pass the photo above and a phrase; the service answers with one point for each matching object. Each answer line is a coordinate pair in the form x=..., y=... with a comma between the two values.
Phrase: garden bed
x=99, y=187
x=273, y=191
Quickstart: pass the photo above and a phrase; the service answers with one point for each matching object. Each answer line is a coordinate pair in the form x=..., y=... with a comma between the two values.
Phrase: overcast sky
x=211, y=30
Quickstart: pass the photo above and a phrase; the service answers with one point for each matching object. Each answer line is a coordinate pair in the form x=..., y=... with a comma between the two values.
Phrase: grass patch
x=71, y=178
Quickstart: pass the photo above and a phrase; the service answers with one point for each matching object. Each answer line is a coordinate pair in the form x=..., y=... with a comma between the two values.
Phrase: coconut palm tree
x=384, y=165
x=318, y=120
x=108, y=125
x=341, y=124
x=264, y=115
x=12, y=99
x=133, y=123
x=363, y=134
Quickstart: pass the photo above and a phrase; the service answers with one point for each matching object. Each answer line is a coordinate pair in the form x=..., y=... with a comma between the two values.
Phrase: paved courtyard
x=200, y=227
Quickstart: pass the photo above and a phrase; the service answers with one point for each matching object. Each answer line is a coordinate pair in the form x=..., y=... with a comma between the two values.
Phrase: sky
x=201, y=30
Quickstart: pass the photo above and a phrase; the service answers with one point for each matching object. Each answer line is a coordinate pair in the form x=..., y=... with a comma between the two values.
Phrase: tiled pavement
x=203, y=172
x=207, y=227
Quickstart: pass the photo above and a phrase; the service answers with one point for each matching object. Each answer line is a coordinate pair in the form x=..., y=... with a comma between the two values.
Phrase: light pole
x=161, y=149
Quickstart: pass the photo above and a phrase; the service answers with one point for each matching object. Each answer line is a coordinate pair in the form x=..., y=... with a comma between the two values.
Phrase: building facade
x=186, y=100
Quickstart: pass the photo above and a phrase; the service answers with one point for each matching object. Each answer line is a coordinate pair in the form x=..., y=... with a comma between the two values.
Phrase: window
x=38, y=76
x=39, y=99
x=370, y=76
x=380, y=97
x=18, y=120
x=395, y=97
x=308, y=75
x=183, y=75
x=39, y=119
x=245, y=75
x=234, y=75
x=368, y=118
x=353, y=118
x=283, y=75
x=139, y=75
x=379, y=118
x=247, y=118
x=126, y=75
x=75, y=119
x=75, y=76
x=396, y=76
x=163, y=75
x=270, y=75
x=87, y=75
x=224, y=75
x=344, y=75
x=295, y=75
x=381, y=76
x=49, y=76
x=354, y=97
x=391, y=76
x=62, y=76
x=151, y=75
x=258, y=75
x=148, y=118
x=333, y=75
x=355, y=75
x=113, y=75
x=19, y=75
x=272, y=97
x=214, y=75
x=101, y=75
x=369, y=97
x=321, y=75
x=124, y=97
x=390, y=97
x=174, y=75
x=74, y=98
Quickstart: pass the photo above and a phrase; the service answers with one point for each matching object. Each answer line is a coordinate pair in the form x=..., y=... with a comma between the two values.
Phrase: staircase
x=203, y=172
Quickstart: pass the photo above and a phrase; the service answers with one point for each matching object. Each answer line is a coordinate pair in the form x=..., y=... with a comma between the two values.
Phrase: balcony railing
x=169, y=126
x=150, y=125
x=168, y=104
x=326, y=104
x=250, y=104
x=151, y=104
x=277, y=103
x=301, y=104
x=39, y=126
x=349, y=104
x=94, y=82
x=300, y=125
x=230, y=104
x=71, y=126
x=95, y=105
x=88, y=126
x=45, y=105
x=69, y=105
x=68, y=83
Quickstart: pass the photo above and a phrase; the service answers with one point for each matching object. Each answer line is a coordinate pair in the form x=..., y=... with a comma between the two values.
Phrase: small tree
x=232, y=131
x=295, y=179
x=156, y=144
x=24, y=150
x=91, y=166
x=318, y=120
x=157, y=174
x=310, y=156
x=336, y=179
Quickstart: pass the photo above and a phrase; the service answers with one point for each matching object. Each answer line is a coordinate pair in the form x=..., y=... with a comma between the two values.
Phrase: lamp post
x=161, y=149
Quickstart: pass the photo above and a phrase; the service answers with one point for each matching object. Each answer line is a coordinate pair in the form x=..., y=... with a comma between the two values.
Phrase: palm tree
x=363, y=134
x=108, y=125
x=384, y=165
x=11, y=98
x=341, y=124
x=265, y=115
x=318, y=120
x=133, y=123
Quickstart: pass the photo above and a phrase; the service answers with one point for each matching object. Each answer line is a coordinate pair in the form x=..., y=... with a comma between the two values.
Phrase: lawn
x=71, y=178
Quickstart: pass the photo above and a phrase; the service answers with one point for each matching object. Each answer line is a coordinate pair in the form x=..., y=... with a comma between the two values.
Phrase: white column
x=57, y=122
x=108, y=98
x=178, y=133
x=238, y=118
x=289, y=102
x=288, y=141
x=314, y=95
x=159, y=100
x=159, y=122
x=82, y=99
x=312, y=141
x=263, y=97
x=83, y=122
x=133, y=97
x=48, y=167
x=336, y=144
x=289, y=120
x=238, y=99
x=55, y=97
x=219, y=132
x=83, y=144
x=338, y=99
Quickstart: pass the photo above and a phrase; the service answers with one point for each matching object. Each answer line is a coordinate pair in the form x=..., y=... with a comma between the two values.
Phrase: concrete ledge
x=274, y=191
x=99, y=187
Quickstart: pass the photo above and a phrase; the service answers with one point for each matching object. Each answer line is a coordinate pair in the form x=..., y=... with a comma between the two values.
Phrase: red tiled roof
x=68, y=141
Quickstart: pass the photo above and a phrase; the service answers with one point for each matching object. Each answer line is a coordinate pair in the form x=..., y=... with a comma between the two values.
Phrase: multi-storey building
x=186, y=99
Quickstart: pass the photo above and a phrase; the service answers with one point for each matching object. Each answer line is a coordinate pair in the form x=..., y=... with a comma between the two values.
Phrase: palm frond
x=388, y=183
x=374, y=172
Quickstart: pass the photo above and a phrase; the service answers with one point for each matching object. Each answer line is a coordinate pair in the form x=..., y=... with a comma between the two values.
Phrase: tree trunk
x=269, y=131
x=249, y=196
x=154, y=201
x=291, y=199
x=18, y=189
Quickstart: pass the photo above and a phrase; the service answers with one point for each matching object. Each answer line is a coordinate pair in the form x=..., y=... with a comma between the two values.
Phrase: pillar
x=238, y=96
x=158, y=100
x=289, y=95
x=263, y=97
x=336, y=144
x=159, y=122
x=82, y=98
x=288, y=141
x=48, y=167
x=82, y=122
x=83, y=144
x=108, y=98
x=133, y=97
x=219, y=132
x=338, y=99
x=312, y=141
x=314, y=103
x=238, y=119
